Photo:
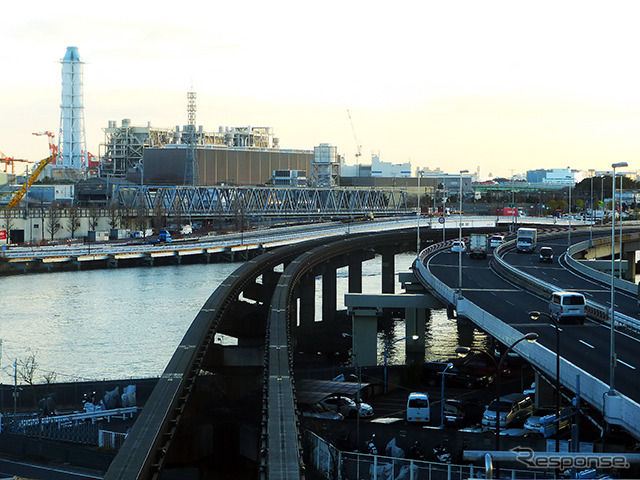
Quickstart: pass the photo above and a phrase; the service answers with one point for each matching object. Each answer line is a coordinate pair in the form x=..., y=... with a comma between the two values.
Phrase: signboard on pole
x=3, y=234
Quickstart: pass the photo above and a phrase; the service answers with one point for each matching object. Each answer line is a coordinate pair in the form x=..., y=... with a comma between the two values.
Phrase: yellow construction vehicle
x=32, y=178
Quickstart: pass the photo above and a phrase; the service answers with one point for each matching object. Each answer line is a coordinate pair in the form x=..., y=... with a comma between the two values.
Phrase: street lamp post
x=419, y=213
x=386, y=353
x=612, y=354
x=447, y=367
x=591, y=219
x=535, y=316
x=620, y=237
x=602, y=198
x=460, y=238
x=569, y=208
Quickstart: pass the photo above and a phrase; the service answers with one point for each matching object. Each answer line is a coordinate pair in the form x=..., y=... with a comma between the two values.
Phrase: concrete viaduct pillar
x=388, y=270
x=307, y=295
x=355, y=272
x=329, y=292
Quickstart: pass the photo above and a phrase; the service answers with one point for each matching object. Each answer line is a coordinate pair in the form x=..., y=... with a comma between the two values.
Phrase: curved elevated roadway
x=145, y=452
x=501, y=307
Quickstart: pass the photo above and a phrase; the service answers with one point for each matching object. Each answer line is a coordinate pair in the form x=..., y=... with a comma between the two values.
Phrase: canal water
x=126, y=323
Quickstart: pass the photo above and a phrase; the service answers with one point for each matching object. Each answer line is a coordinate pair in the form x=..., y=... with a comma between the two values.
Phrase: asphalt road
x=587, y=346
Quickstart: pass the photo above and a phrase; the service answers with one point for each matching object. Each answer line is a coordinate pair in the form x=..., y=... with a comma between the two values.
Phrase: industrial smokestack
x=72, y=147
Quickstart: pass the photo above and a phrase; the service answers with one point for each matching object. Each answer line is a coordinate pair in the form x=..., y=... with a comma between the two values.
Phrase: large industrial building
x=219, y=165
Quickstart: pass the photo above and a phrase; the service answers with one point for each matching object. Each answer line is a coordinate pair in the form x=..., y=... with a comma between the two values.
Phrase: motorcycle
x=416, y=453
x=442, y=454
x=371, y=448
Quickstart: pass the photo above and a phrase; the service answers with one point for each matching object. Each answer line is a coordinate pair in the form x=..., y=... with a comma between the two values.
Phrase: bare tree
x=54, y=215
x=141, y=218
x=114, y=216
x=26, y=367
x=159, y=219
x=94, y=217
x=73, y=221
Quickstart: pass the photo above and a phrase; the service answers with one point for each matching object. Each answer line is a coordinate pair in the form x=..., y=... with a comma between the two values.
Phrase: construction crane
x=10, y=161
x=358, y=146
x=32, y=178
x=53, y=148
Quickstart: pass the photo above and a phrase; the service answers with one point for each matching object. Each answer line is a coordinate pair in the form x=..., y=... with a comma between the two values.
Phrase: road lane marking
x=626, y=364
x=585, y=343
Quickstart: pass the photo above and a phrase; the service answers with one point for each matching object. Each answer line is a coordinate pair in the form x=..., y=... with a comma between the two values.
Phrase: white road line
x=68, y=472
x=626, y=364
x=585, y=343
x=507, y=301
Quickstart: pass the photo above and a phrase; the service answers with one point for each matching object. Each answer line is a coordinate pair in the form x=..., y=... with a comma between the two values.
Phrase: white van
x=567, y=306
x=418, y=407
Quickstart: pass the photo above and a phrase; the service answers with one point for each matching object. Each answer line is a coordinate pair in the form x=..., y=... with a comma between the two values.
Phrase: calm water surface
x=121, y=323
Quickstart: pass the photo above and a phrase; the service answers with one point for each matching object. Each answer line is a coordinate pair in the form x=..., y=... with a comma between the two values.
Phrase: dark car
x=460, y=413
x=481, y=365
x=453, y=376
x=546, y=255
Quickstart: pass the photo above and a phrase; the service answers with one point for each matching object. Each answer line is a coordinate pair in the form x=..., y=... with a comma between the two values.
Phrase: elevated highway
x=497, y=295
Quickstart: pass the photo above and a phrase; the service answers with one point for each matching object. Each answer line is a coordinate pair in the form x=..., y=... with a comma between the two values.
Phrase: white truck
x=478, y=245
x=526, y=240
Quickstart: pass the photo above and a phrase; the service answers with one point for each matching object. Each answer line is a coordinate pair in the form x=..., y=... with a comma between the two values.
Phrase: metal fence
x=337, y=465
x=112, y=440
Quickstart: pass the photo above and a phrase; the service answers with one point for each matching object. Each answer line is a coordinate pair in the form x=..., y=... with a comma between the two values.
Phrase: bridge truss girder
x=269, y=201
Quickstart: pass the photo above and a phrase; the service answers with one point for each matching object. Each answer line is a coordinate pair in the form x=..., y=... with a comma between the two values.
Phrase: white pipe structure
x=72, y=145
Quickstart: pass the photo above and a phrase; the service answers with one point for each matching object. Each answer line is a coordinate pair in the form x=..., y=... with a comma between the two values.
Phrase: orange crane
x=10, y=161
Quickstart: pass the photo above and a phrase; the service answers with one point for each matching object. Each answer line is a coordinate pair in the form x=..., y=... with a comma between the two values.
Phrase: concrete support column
x=365, y=337
x=307, y=289
x=631, y=256
x=415, y=324
x=388, y=271
x=329, y=293
x=355, y=273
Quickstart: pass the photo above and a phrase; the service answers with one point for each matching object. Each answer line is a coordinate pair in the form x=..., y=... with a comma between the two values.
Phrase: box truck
x=526, y=240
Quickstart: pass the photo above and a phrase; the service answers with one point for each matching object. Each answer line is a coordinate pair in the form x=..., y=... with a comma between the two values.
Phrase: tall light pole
x=602, y=198
x=620, y=237
x=569, y=207
x=460, y=238
x=612, y=354
x=419, y=213
x=536, y=316
x=591, y=217
x=386, y=352
x=447, y=367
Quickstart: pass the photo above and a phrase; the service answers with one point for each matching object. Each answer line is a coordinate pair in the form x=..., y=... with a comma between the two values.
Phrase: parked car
x=458, y=246
x=453, y=376
x=515, y=408
x=567, y=306
x=543, y=421
x=496, y=240
x=480, y=365
x=317, y=410
x=461, y=413
x=418, y=407
x=347, y=407
x=546, y=255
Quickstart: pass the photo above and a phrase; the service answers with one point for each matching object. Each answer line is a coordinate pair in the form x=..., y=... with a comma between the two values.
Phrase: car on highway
x=546, y=255
x=347, y=406
x=496, y=240
x=567, y=306
x=453, y=376
x=458, y=246
x=515, y=408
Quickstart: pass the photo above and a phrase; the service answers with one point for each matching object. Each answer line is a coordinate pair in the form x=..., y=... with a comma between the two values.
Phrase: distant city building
x=565, y=176
x=377, y=169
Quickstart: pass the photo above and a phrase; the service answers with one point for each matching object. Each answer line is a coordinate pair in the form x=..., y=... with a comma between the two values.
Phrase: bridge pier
x=365, y=336
x=329, y=292
x=355, y=272
x=307, y=298
x=388, y=270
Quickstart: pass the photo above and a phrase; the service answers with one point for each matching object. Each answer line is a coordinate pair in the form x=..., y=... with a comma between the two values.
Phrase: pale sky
x=506, y=86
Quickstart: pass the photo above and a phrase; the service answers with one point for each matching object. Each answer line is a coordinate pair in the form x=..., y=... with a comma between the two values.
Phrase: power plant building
x=232, y=155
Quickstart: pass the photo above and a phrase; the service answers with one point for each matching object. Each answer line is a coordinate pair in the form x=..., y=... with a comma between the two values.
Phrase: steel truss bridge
x=225, y=201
